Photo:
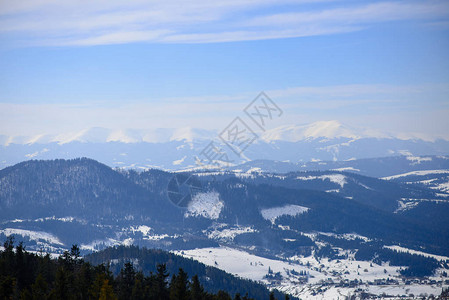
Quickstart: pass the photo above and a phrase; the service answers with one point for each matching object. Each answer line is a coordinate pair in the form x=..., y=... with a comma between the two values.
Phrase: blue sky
x=69, y=65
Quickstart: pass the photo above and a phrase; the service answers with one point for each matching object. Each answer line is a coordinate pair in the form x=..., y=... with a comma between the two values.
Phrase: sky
x=70, y=65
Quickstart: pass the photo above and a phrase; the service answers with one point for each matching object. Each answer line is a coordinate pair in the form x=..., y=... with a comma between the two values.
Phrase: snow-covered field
x=311, y=277
x=411, y=251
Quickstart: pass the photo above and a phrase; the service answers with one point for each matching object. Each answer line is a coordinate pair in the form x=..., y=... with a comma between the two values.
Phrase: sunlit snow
x=273, y=213
x=207, y=205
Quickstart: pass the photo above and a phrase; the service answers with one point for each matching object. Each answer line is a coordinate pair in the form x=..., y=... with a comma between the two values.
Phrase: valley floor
x=313, y=278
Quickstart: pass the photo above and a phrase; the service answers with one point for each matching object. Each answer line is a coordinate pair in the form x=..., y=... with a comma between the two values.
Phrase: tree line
x=37, y=276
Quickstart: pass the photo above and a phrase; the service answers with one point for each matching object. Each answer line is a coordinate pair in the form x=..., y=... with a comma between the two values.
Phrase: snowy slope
x=207, y=205
x=321, y=129
x=417, y=173
x=273, y=213
x=320, y=279
x=40, y=237
x=339, y=179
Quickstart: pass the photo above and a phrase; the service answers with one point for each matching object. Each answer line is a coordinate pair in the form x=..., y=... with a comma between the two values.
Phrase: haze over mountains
x=175, y=149
x=287, y=133
x=304, y=209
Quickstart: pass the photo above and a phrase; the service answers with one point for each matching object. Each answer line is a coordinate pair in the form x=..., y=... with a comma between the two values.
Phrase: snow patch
x=228, y=234
x=404, y=205
x=417, y=173
x=179, y=161
x=417, y=159
x=272, y=214
x=346, y=169
x=411, y=251
x=207, y=205
x=145, y=230
x=339, y=179
x=33, y=235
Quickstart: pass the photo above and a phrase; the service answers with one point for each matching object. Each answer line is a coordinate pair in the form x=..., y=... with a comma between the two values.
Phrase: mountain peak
x=321, y=129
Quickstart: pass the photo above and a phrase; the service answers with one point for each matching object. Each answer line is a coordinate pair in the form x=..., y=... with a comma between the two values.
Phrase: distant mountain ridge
x=287, y=133
x=373, y=167
x=177, y=149
x=105, y=135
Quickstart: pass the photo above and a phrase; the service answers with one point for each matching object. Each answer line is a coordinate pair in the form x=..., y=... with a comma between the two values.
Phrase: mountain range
x=303, y=232
x=177, y=149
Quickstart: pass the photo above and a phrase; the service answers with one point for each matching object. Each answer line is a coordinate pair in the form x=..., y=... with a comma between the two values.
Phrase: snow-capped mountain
x=175, y=149
x=287, y=133
x=105, y=135
x=319, y=130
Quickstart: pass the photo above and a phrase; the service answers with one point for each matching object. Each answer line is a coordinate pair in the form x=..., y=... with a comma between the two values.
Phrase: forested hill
x=147, y=260
x=118, y=273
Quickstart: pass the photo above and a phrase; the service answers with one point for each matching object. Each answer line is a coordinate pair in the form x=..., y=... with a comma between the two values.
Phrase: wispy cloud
x=50, y=22
x=357, y=14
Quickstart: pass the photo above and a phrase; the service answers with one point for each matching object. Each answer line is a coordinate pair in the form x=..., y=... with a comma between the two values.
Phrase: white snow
x=31, y=155
x=346, y=236
x=228, y=234
x=273, y=213
x=207, y=205
x=339, y=179
x=322, y=274
x=418, y=290
x=417, y=173
x=320, y=129
x=346, y=169
x=100, y=244
x=179, y=161
x=239, y=262
x=145, y=230
x=444, y=187
x=37, y=236
x=405, y=205
x=254, y=170
x=411, y=251
x=62, y=219
x=103, y=135
x=417, y=159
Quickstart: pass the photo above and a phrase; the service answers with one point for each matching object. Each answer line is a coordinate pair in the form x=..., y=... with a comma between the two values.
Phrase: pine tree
x=272, y=296
x=61, y=289
x=83, y=281
x=159, y=285
x=222, y=295
x=25, y=294
x=138, y=289
x=126, y=281
x=196, y=290
x=7, y=285
x=178, y=287
x=95, y=288
x=106, y=292
x=39, y=289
